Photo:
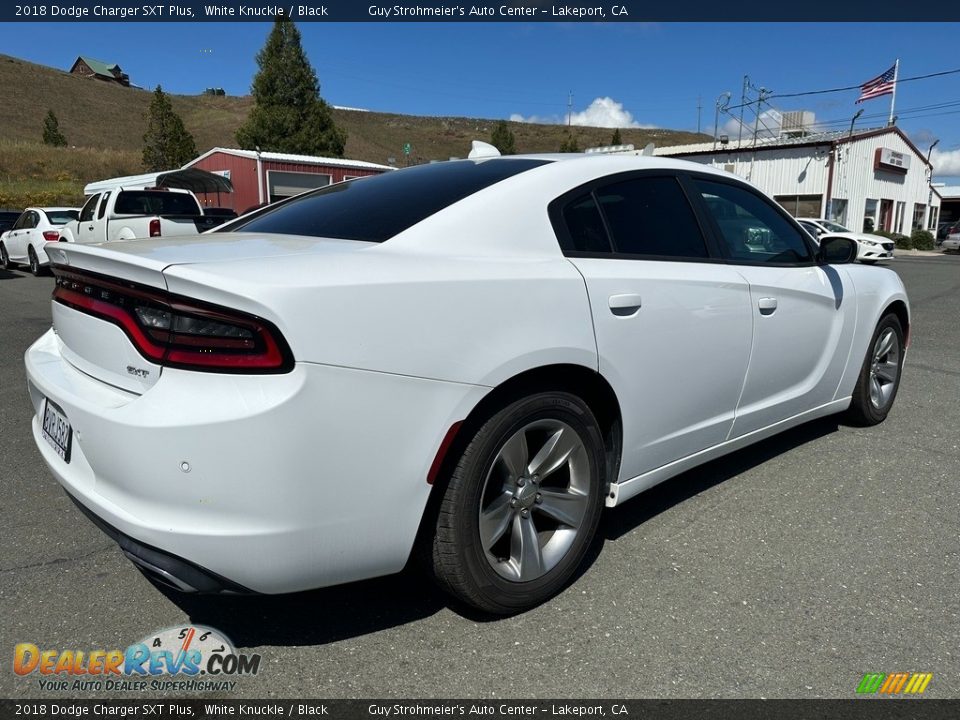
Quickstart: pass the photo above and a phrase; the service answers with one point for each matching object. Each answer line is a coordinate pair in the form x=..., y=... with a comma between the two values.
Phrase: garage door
x=284, y=184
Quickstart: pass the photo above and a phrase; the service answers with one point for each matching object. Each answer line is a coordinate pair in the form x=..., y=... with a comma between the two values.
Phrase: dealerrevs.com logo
x=178, y=659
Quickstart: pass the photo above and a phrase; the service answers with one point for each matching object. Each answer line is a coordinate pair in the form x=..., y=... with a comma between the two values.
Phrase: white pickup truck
x=124, y=214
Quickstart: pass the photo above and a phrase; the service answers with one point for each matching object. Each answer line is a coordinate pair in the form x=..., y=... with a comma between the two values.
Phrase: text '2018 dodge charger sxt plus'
x=467, y=359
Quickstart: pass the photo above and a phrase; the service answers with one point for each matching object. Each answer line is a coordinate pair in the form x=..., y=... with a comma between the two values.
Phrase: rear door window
x=650, y=216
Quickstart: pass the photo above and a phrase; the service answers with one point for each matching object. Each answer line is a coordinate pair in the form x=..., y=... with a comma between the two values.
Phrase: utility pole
x=743, y=105
x=722, y=101
x=698, y=114
x=763, y=94
x=569, y=107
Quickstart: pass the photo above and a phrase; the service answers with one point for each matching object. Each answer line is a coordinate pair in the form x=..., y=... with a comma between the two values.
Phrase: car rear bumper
x=270, y=483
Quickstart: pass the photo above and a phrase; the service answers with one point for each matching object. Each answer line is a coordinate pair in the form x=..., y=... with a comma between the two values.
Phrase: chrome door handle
x=767, y=305
x=625, y=305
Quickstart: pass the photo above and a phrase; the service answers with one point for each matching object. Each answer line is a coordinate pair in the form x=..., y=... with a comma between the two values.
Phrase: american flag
x=880, y=85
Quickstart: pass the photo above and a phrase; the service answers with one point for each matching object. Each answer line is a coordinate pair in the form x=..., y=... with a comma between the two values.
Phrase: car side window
x=21, y=222
x=650, y=216
x=585, y=226
x=33, y=219
x=103, y=206
x=751, y=228
x=87, y=212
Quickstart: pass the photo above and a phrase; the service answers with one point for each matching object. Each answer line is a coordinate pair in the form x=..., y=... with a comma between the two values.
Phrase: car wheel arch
x=584, y=382
x=899, y=308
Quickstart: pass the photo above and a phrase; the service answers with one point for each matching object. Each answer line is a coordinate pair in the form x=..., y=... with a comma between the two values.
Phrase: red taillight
x=174, y=331
x=155, y=227
x=51, y=235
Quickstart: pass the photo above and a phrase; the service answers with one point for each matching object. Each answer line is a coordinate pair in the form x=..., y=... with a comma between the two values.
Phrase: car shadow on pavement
x=7, y=275
x=346, y=611
x=676, y=490
x=316, y=617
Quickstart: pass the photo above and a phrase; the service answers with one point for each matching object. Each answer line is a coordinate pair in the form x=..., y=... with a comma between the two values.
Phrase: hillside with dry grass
x=104, y=126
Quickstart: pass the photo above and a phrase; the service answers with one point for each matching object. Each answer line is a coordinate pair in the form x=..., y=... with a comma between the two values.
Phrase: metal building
x=866, y=180
x=268, y=176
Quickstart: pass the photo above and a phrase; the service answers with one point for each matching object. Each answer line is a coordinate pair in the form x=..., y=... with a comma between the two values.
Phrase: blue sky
x=648, y=74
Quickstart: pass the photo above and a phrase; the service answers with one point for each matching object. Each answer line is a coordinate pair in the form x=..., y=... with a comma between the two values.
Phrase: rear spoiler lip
x=103, y=261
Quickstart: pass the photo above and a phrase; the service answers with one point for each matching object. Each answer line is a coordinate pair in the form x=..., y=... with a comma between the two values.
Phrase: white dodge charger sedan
x=463, y=362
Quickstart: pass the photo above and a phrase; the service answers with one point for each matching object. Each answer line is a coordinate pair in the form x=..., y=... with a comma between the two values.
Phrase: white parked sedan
x=871, y=248
x=468, y=359
x=952, y=242
x=25, y=243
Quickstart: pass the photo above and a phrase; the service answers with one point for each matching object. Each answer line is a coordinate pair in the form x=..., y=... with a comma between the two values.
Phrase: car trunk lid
x=91, y=279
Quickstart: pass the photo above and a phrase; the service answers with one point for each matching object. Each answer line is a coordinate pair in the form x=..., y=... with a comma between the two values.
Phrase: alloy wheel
x=534, y=500
x=884, y=368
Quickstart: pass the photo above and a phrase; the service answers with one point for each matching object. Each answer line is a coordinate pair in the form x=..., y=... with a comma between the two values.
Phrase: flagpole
x=893, y=96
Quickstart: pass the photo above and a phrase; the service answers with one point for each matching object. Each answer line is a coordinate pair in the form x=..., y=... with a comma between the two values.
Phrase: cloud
x=946, y=163
x=603, y=112
x=771, y=122
x=922, y=137
x=768, y=127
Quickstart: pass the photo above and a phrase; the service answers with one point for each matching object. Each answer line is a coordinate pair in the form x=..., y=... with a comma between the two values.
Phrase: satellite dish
x=648, y=150
x=483, y=150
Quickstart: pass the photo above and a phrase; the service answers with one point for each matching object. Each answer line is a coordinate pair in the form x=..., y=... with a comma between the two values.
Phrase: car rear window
x=61, y=217
x=156, y=202
x=377, y=208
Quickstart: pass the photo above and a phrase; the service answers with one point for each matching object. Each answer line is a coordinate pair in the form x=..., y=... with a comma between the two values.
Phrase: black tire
x=35, y=268
x=5, y=263
x=458, y=559
x=864, y=408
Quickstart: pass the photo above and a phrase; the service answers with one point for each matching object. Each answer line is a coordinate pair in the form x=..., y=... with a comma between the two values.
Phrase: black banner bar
x=854, y=709
x=452, y=11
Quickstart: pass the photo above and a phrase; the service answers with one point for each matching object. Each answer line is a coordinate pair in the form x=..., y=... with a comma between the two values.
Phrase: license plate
x=56, y=429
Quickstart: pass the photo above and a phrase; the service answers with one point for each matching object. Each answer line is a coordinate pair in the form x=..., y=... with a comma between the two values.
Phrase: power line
x=857, y=87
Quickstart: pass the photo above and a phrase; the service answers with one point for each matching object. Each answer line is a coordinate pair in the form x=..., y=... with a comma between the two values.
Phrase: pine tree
x=569, y=145
x=288, y=113
x=51, y=131
x=166, y=144
x=502, y=138
x=615, y=140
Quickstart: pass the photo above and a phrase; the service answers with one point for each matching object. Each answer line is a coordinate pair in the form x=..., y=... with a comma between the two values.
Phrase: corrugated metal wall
x=804, y=171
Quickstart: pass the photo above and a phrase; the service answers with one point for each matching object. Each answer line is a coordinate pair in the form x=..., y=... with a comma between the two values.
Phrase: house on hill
x=99, y=70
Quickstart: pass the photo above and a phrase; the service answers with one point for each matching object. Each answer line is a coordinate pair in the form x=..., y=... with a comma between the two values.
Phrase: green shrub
x=922, y=240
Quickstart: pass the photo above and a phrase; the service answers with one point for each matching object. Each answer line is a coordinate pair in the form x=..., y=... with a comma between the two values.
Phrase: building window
x=801, y=205
x=934, y=219
x=838, y=211
x=919, y=211
x=870, y=215
x=898, y=221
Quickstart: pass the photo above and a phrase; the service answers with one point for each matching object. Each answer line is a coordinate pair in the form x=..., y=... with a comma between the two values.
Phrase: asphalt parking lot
x=787, y=570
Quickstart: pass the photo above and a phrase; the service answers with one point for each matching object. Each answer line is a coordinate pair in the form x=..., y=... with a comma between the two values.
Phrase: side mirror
x=835, y=250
